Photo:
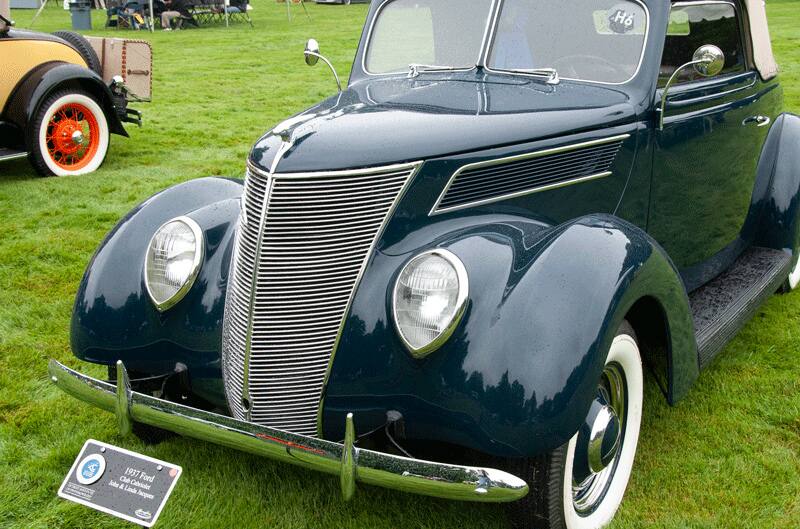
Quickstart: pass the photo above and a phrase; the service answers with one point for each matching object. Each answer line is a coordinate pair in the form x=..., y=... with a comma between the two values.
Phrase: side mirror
x=313, y=56
x=707, y=61
x=312, y=52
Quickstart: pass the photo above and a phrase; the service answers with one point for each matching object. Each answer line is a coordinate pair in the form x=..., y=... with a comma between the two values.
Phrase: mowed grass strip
x=726, y=457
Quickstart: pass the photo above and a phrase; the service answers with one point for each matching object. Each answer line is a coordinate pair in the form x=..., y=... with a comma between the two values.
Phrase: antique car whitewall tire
x=69, y=135
x=794, y=276
x=556, y=501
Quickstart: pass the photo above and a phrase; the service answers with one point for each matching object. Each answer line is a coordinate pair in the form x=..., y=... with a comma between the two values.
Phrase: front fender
x=519, y=374
x=43, y=80
x=114, y=319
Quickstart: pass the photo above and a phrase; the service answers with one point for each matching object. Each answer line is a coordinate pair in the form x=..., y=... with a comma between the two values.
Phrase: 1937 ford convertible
x=467, y=256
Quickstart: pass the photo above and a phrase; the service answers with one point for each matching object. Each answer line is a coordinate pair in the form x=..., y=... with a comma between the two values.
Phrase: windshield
x=430, y=33
x=590, y=40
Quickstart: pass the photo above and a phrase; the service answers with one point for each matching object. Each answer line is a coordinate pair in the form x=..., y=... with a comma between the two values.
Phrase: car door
x=705, y=157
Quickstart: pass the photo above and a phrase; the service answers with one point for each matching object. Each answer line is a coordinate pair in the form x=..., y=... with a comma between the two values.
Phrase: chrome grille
x=297, y=262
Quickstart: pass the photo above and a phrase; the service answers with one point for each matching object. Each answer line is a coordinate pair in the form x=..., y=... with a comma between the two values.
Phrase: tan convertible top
x=759, y=34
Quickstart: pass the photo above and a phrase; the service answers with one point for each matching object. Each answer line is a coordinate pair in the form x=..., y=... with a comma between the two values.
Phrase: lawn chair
x=205, y=11
x=238, y=10
x=129, y=16
x=158, y=8
x=113, y=8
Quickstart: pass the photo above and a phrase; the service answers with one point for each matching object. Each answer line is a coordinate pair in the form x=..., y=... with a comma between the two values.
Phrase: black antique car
x=469, y=255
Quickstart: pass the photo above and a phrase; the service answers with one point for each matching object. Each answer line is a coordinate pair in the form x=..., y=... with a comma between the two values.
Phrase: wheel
x=84, y=49
x=580, y=484
x=68, y=135
x=149, y=435
x=794, y=278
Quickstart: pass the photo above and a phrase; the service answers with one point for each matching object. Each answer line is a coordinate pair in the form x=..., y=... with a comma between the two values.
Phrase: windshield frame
x=490, y=22
x=487, y=42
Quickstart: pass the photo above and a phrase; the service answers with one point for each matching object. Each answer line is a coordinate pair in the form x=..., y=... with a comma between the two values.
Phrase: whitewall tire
x=69, y=135
x=568, y=492
x=624, y=352
x=794, y=277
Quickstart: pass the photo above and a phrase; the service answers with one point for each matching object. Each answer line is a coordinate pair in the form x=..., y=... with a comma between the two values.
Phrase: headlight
x=429, y=299
x=172, y=262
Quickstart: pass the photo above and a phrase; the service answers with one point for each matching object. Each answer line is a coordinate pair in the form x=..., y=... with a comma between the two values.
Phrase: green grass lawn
x=726, y=457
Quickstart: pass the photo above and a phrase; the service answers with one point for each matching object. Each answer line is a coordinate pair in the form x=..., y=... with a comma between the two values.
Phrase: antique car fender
x=48, y=77
x=114, y=318
x=519, y=373
x=780, y=219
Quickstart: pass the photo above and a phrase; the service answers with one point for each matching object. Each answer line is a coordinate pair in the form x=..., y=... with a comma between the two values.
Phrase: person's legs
x=166, y=17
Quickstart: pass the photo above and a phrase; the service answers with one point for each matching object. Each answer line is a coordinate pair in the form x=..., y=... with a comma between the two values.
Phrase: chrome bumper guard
x=350, y=463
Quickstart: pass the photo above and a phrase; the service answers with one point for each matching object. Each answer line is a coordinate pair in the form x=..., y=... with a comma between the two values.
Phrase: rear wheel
x=580, y=484
x=794, y=277
x=68, y=135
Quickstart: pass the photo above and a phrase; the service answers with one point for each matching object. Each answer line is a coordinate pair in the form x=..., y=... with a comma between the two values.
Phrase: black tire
x=84, y=48
x=543, y=507
x=149, y=435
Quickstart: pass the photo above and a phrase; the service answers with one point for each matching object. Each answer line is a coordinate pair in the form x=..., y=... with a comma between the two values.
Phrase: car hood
x=388, y=120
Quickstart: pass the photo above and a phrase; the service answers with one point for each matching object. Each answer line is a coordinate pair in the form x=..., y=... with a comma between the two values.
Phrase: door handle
x=760, y=121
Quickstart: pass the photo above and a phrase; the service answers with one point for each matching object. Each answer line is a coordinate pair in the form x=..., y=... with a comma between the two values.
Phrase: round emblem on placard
x=91, y=469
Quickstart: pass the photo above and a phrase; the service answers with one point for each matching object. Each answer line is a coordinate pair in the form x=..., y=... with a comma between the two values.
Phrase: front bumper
x=350, y=463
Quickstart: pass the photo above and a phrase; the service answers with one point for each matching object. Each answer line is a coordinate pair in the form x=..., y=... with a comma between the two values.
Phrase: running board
x=11, y=154
x=722, y=307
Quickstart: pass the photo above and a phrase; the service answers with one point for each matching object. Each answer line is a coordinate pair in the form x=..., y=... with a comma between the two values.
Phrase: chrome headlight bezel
x=460, y=304
x=199, y=252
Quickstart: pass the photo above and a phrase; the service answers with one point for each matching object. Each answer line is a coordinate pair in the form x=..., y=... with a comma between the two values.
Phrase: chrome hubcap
x=603, y=442
x=599, y=442
x=77, y=137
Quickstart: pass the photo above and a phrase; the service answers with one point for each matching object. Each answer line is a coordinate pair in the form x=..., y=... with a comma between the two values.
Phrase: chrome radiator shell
x=303, y=242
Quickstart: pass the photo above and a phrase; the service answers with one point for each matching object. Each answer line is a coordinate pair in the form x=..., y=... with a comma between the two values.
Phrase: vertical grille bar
x=289, y=291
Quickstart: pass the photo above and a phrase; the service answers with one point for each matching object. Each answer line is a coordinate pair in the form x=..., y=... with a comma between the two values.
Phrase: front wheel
x=68, y=135
x=580, y=484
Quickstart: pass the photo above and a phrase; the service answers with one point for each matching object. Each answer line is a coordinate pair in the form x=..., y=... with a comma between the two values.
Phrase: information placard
x=120, y=482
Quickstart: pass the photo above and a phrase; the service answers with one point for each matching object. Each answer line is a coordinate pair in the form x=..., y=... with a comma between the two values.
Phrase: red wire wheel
x=68, y=134
x=73, y=136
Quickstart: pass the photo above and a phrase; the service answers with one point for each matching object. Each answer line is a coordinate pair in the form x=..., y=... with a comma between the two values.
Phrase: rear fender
x=780, y=221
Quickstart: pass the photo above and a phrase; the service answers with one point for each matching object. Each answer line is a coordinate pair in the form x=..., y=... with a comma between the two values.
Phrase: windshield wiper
x=550, y=74
x=415, y=69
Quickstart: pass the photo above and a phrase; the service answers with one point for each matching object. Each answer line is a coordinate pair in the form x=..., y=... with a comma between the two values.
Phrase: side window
x=693, y=25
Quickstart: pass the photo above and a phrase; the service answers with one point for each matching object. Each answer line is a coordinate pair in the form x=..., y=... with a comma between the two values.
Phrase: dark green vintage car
x=449, y=277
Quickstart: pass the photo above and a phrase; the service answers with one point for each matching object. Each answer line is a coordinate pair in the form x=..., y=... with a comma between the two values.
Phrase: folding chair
x=238, y=10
